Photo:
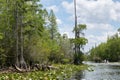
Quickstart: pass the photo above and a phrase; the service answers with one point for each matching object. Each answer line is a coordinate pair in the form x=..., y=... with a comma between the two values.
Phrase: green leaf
x=1, y=36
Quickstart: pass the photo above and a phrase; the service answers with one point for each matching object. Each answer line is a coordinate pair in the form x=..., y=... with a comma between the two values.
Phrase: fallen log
x=22, y=70
x=18, y=69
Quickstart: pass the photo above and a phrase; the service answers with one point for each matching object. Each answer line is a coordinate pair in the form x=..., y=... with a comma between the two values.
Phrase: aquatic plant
x=63, y=72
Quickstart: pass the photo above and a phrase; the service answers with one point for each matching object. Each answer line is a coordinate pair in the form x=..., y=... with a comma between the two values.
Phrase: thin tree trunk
x=76, y=46
x=16, y=32
x=75, y=25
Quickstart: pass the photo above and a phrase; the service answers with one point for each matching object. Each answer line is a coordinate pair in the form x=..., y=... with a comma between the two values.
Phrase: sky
x=102, y=18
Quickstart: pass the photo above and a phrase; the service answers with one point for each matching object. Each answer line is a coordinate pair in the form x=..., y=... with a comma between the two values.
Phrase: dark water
x=99, y=71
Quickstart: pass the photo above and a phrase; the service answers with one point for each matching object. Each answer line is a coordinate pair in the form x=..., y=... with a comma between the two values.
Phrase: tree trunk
x=77, y=46
x=22, y=61
x=16, y=34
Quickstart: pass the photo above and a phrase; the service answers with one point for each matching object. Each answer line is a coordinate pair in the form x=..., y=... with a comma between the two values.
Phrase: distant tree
x=52, y=25
x=79, y=41
x=66, y=47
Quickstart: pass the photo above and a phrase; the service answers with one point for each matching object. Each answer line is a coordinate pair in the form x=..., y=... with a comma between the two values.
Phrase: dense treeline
x=109, y=50
x=29, y=34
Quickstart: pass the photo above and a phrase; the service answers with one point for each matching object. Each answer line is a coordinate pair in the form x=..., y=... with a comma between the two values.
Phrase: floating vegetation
x=63, y=72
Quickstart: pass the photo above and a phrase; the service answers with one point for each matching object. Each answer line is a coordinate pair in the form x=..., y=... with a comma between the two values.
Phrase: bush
x=65, y=61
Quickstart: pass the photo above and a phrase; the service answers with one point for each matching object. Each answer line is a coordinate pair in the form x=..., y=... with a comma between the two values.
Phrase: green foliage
x=66, y=48
x=80, y=28
x=52, y=27
x=65, y=61
x=2, y=60
x=22, y=14
x=62, y=73
x=107, y=51
x=80, y=41
x=28, y=30
x=1, y=36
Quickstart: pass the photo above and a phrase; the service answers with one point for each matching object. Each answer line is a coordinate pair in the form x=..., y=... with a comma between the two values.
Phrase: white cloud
x=98, y=15
x=95, y=33
x=99, y=11
x=98, y=33
x=94, y=41
x=67, y=29
x=59, y=21
x=68, y=6
x=100, y=26
x=53, y=7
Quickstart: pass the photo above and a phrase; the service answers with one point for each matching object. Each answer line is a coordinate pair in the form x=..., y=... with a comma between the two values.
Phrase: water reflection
x=100, y=71
x=78, y=76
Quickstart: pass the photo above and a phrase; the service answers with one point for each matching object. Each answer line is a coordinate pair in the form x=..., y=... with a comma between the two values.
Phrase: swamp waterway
x=99, y=71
